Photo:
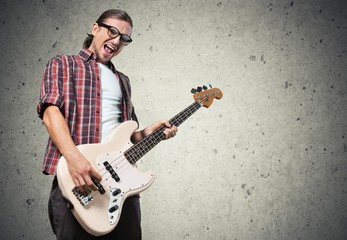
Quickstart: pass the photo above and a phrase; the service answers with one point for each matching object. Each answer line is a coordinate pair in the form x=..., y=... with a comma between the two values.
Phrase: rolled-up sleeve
x=51, y=92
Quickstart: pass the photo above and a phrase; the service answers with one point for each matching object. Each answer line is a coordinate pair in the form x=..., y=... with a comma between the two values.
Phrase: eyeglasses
x=114, y=32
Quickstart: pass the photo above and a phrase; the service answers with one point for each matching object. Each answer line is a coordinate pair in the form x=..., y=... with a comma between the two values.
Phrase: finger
x=173, y=129
x=163, y=122
x=96, y=178
x=76, y=182
x=167, y=124
x=80, y=184
x=89, y=183
x=86, y=190
x=172, y=133
x=169, y=133
x=96, y=175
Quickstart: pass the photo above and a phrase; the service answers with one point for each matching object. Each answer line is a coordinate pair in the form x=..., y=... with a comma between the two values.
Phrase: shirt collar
x=87, y=55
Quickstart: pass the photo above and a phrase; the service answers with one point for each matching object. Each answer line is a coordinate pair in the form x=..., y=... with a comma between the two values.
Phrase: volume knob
x=116, y=192
x=113, y=209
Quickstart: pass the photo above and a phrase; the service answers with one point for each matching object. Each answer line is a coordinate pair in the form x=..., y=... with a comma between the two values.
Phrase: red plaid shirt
x=72, y=83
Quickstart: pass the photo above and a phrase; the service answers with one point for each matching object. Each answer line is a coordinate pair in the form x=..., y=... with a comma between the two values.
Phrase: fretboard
x=138, y=150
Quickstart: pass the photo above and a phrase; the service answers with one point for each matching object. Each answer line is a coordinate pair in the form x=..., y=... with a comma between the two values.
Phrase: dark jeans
x=66, y=227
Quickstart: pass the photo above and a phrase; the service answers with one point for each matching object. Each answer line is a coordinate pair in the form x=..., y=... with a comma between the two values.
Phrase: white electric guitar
x=99, y=212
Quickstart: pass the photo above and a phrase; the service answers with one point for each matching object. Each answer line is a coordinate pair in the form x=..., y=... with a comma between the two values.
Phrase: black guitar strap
x=125, y=84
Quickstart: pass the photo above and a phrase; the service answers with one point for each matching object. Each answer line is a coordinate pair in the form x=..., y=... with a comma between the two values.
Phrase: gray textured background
x=268, y=161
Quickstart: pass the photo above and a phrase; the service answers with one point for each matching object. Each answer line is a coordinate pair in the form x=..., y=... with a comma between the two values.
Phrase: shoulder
x=63, y=58
x=83, y=55
x=65, y=61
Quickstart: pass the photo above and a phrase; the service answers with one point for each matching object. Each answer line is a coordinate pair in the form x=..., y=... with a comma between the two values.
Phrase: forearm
x=169, y=131
x=137, y=136
x=59, y=132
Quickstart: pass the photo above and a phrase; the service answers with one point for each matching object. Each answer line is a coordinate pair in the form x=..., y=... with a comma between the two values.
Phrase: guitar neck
x=138, y=150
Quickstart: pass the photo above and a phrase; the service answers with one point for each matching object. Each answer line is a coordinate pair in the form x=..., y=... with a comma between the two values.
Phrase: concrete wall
x=268, y=161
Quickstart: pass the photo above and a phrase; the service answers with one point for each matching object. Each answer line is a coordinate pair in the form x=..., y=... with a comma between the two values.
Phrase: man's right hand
x=79, y=167
x=81, y=171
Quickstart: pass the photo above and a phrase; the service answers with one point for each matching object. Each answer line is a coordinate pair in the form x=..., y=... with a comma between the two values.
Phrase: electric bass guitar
x=98, y=212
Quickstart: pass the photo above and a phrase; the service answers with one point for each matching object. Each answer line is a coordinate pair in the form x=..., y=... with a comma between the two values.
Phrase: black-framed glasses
x=113, y=32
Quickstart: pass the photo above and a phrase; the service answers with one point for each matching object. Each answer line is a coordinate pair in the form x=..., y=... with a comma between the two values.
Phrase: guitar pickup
x=101, y=189
x=110, y=169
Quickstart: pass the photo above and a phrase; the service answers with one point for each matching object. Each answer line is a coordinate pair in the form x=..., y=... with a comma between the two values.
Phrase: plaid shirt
x=72, y=83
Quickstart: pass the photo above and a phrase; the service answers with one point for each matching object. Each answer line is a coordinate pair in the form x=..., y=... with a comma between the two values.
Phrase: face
x=105, y=47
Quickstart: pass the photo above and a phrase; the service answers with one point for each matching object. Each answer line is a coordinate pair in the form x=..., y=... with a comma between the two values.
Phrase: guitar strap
x=125, y=84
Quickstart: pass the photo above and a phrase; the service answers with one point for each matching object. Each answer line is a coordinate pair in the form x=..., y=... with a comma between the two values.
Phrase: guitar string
x=122, y=158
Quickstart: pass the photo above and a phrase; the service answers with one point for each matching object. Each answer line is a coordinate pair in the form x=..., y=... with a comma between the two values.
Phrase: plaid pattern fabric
x=72, y=83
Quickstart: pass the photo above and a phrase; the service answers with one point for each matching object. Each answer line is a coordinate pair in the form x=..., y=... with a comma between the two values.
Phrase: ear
x=95, y=28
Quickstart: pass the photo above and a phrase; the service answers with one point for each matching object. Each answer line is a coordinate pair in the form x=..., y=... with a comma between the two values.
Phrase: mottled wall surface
x=268, y=161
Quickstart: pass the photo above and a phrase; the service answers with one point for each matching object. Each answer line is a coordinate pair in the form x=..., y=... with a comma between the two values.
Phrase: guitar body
x=99, y=212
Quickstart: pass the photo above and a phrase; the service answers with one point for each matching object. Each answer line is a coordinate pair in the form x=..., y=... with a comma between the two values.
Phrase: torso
x=111, y=101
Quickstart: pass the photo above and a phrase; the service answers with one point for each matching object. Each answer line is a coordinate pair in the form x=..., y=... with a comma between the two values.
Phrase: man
x=83, y=98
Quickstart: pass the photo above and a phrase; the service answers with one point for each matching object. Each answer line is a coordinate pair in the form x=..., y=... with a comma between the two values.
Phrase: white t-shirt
x=111, y=101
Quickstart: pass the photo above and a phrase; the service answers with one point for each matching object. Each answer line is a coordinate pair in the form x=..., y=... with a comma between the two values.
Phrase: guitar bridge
x=83, y=198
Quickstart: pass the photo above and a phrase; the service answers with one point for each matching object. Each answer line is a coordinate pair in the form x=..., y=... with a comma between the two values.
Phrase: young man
x=83, y=99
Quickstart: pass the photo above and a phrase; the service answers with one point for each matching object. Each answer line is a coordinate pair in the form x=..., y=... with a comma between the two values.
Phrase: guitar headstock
x=205, y=97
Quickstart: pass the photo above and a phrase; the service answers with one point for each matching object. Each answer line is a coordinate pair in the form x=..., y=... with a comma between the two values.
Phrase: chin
x=102, y=59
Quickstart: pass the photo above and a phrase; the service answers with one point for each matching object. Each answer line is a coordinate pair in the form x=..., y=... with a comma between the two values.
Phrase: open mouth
x=109, y=49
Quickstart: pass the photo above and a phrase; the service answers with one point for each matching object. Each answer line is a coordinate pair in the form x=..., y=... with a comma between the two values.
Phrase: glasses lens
x=113, y=32
x=126, y=39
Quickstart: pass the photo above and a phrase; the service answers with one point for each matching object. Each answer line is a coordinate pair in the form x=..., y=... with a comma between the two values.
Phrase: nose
x=116, y=40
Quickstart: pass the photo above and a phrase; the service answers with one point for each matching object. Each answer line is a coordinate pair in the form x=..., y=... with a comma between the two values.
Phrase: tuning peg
x=204, y=87
x=193, y=90
x=210, y=85
x=199, y=89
